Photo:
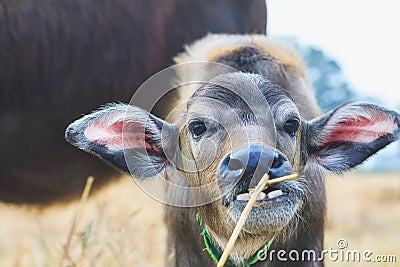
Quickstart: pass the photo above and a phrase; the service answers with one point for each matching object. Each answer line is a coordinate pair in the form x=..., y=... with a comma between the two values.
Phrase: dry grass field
x=121, y=226
x=364, y=209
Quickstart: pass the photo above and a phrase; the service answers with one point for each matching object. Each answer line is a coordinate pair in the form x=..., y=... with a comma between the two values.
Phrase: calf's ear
x=126, y=137
x=343, y=138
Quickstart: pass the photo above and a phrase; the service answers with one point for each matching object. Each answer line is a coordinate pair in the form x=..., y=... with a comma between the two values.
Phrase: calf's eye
x=197, y=128
x=291, y=126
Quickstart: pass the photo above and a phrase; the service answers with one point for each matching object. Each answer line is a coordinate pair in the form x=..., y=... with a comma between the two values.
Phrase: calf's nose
x=252, y=161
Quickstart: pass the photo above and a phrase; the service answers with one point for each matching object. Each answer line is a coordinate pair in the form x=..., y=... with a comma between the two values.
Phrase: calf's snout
x=252, y=161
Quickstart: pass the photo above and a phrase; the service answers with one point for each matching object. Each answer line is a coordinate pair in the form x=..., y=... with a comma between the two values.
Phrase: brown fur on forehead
x=227, y=87
x=215, y=45
x=274, y=59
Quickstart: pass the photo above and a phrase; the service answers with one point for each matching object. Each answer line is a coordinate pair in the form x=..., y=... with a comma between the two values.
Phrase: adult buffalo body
x=262, y=118
x=59, y=59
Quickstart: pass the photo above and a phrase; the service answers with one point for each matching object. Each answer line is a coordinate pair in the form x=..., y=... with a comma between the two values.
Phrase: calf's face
x=236, y=128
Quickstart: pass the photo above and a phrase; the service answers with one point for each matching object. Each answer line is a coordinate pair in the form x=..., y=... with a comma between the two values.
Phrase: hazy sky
x=363, y=36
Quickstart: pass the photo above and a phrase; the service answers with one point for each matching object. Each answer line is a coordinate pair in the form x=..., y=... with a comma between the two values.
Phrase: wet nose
x=252, y=162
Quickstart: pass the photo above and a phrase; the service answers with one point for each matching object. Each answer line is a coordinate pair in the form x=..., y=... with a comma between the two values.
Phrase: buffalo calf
x=260, y=118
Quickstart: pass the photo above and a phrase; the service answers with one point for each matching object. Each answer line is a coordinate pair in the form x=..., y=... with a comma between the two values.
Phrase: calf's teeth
x=275, y=193
x=246, y=196
x=260, y=196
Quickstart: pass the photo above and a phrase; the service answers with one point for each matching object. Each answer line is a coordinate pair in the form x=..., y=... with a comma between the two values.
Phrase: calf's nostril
x=235, y=165
x=280, y=166
x=231, y=168
x=278, y=161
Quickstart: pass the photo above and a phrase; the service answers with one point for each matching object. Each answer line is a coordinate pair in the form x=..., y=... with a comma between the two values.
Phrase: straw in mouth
x=253, y=195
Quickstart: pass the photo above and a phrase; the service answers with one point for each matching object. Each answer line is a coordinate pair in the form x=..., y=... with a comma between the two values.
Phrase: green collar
x=216, y=253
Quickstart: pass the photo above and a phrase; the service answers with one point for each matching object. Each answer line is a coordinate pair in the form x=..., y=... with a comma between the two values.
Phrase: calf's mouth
x=277, y=205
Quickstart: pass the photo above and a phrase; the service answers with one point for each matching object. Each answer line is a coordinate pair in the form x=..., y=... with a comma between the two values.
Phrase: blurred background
x=59, y=59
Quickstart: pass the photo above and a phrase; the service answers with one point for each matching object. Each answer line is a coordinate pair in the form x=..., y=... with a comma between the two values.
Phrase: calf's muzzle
x=252, y=161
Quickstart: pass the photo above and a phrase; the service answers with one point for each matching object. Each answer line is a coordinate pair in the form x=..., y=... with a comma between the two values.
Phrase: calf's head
x=236, y=128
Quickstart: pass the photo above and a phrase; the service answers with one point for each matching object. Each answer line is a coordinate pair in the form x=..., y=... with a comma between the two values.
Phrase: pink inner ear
x=110, y=135
x=361, y=129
